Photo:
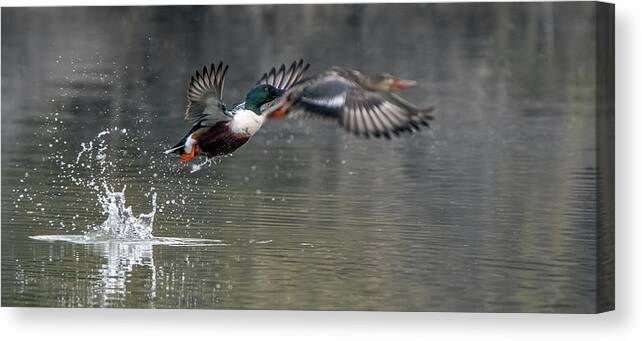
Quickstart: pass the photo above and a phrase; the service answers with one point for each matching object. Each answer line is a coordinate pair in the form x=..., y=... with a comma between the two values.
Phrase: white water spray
x=94, y=170
x=121, y=223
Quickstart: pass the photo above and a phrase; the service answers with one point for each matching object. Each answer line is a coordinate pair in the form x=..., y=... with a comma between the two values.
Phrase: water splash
x=94, y=170
x=121, y=223
x=115, y=156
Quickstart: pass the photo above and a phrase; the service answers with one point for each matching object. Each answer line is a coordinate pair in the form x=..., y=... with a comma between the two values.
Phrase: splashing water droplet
x=121, y=222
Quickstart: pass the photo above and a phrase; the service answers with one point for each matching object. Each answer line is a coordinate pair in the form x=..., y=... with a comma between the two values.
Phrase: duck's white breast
x=246, y=122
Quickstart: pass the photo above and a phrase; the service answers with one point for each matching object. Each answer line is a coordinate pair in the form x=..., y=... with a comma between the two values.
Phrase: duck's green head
x=260, y=95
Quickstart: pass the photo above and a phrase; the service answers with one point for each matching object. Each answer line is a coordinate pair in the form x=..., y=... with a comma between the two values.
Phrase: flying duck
x=215, y=129
x=363, y=104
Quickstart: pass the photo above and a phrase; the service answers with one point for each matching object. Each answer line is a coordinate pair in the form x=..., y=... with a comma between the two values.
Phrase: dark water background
x=492, y=209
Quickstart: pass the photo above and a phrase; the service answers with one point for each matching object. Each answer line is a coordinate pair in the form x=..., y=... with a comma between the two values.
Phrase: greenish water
x=492, y=209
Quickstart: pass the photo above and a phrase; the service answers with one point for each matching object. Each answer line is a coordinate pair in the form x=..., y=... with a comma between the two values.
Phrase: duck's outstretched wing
x=283, y=78
x=360, y=111
x=204, y=96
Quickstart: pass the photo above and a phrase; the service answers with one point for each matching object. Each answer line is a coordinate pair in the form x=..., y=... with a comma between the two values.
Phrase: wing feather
x=205, y=96
x=360, y=111
x=284, y=78
x=361, y=120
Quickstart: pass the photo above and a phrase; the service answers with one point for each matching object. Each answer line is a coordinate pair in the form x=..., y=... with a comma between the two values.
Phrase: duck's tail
x=184, y=148
x=425, y=115
x=177, y=148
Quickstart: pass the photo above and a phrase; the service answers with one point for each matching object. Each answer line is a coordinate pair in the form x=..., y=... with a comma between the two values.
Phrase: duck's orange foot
x=188, y=156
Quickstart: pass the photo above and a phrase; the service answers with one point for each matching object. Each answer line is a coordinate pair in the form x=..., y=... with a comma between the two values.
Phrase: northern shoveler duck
x=363, y=104
x=216, y=130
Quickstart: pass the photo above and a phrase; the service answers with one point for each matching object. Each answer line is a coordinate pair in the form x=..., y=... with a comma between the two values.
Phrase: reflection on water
x=120, y=259
x=490, y=210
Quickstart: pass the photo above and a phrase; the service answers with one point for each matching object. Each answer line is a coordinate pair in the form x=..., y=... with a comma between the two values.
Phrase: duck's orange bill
x=402, y=84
